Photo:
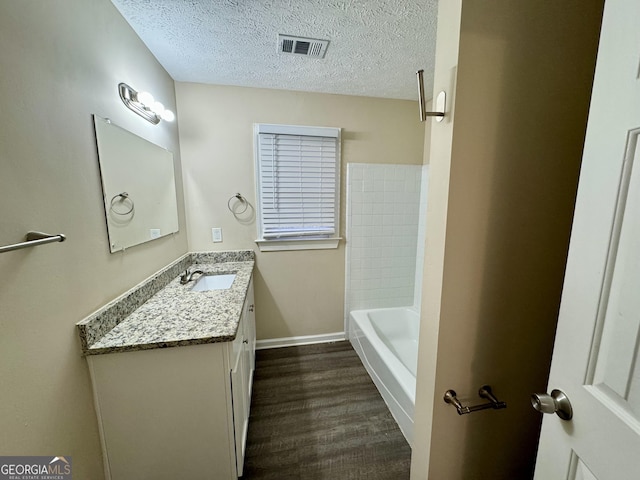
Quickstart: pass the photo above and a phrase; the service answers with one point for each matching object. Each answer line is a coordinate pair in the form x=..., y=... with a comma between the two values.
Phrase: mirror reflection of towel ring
x=239, y=197
x=122, y=197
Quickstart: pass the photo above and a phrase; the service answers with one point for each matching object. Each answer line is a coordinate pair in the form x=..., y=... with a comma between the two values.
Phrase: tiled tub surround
x=383, y=206
x=422, y=235
x=160, y=312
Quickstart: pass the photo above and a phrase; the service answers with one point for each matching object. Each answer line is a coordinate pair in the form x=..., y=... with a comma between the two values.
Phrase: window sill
x=298, y=244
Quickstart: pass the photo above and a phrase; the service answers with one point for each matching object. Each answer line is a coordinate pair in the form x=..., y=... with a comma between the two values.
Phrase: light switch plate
x=216, y=234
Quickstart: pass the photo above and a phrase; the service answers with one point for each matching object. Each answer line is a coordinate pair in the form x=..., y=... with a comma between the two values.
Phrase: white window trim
x=298, y=243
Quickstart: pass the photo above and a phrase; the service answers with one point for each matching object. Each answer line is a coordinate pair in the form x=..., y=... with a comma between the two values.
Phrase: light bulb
x=157, y=108
x=145, y=98
x=168, y=116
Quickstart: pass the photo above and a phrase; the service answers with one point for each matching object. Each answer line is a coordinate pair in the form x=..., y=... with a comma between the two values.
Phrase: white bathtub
x=386, y=340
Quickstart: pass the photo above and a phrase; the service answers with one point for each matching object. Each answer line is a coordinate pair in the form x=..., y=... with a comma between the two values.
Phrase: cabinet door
x=243, y=364
x=164, y=413
x=250, y=333
x=238, y=393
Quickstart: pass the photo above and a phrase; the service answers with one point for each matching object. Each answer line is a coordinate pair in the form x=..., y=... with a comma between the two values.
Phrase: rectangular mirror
x=138, y=186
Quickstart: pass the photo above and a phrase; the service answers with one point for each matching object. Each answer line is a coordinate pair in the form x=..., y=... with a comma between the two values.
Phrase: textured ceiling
x=376, y=45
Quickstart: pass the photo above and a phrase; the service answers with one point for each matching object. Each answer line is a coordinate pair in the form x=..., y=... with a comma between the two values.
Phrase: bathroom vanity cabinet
x=179, y=412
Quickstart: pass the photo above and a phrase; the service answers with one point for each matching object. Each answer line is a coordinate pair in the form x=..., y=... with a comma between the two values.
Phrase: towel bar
x=33, y=239
x=484, y=392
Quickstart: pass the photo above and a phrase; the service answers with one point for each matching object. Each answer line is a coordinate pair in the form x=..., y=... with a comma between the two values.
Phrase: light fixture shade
x=168, y=116
x=145, y=98
x=144, y=105
x=157, y=108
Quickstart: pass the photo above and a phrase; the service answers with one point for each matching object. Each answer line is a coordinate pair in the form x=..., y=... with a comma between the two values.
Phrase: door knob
x=557, y=403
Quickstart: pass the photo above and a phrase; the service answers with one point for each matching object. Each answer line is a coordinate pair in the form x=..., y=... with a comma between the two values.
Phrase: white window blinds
x=298, y=182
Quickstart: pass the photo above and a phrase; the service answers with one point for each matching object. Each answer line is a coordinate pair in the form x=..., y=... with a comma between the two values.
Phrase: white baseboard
x=304, y=340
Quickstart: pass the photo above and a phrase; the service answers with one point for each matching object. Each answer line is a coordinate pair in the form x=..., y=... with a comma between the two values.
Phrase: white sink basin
x=214, y=282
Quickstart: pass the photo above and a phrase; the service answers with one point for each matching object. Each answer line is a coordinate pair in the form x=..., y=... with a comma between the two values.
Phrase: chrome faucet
x=187, y=276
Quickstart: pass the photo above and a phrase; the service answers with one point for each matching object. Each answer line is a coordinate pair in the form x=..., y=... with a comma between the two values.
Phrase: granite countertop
x=177, y=316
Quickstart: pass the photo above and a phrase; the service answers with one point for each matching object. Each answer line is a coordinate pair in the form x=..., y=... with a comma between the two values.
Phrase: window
x=298, y=187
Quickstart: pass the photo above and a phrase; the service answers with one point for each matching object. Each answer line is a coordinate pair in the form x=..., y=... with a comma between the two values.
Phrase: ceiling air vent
x=309, y=47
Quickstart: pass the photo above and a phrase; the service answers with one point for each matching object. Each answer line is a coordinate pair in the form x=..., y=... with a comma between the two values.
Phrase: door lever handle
x=557, y=403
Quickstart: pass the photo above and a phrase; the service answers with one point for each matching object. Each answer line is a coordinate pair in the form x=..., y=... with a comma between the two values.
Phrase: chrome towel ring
x=241, y=199
x=121, y=197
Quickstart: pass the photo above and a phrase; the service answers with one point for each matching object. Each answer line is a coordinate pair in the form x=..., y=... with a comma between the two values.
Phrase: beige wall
x=297, y=293
x=61, y=61
x=524, y=73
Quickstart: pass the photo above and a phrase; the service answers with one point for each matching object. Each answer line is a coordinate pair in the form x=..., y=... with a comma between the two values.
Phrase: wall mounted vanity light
x=144, y=105
x=440, y=101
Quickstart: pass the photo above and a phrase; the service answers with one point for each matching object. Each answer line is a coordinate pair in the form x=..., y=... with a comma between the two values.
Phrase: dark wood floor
x=316, y=414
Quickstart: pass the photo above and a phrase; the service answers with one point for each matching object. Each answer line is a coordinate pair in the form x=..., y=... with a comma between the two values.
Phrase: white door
x=596, y=358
